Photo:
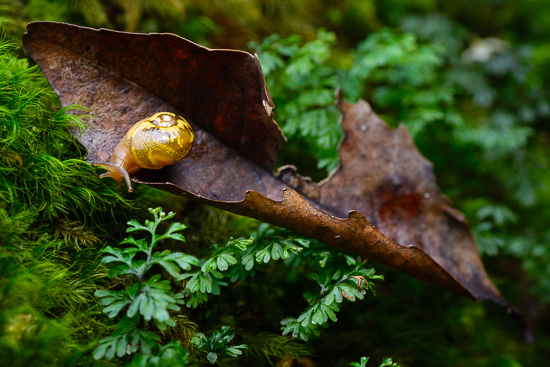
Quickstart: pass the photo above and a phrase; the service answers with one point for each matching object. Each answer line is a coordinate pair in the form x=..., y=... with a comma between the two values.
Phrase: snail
x=153, y=143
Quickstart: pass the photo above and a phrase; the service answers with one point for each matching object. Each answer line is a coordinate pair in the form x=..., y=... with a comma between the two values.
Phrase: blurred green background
x=470, y=79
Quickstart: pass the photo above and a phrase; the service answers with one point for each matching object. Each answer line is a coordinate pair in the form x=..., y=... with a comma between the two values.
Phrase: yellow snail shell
x=153, y=143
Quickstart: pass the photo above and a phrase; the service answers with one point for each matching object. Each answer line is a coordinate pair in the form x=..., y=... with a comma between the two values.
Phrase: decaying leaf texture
x=382, y=202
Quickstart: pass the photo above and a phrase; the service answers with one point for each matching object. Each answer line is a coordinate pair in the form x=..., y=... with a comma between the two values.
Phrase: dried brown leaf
x=382, y=202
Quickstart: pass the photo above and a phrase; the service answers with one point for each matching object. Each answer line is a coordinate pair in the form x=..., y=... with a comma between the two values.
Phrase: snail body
x=152, y=143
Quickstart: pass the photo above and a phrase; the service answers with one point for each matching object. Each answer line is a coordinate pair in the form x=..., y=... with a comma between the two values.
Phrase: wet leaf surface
x=382, y=202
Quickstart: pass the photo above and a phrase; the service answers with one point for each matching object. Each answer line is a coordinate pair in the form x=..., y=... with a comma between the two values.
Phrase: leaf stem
x=153, y=231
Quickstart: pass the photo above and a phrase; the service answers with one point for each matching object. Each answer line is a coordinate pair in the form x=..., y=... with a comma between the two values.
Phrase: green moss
x=265, y=349
x=41, y=162
x=49, y=198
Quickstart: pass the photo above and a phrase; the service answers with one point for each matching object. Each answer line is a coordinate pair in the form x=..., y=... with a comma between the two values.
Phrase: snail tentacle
x=115, y=172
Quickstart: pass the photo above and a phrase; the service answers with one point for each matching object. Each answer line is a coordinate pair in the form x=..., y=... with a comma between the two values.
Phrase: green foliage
x=147, y=302
x=15, y=14
x=271, y=244
x=216, y=344
x=47, y=300
x=302, y=84
x=148, y=299
x=169, y=355
x=209, y=278
x=340, y=277
x=266, y=348
x=387, y=362
x=402, y=79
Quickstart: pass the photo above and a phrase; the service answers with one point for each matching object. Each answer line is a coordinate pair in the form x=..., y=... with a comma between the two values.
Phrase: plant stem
x=149, y=253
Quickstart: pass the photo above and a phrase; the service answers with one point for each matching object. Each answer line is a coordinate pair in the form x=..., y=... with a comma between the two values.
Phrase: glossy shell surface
x=160, y=140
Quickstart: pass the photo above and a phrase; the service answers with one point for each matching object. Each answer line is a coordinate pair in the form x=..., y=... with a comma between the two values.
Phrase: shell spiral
x=160, y=140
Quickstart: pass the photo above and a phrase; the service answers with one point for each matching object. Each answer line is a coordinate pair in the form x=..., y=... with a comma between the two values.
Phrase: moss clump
x=41, y=166
x=49, y=198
